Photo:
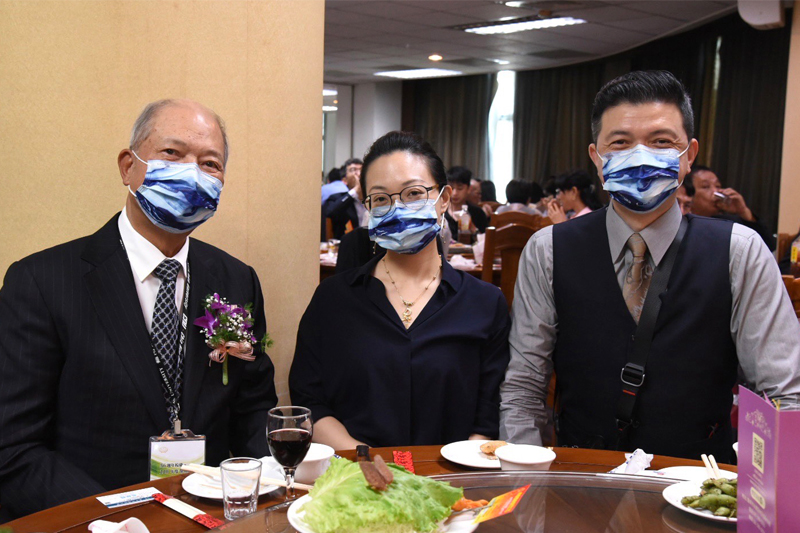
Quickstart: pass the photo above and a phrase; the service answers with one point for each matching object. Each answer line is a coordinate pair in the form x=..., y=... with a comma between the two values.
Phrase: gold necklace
x=406, y=318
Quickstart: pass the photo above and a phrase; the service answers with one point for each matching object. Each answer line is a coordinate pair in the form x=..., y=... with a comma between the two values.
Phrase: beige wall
x=789, y=214
x=75, y=74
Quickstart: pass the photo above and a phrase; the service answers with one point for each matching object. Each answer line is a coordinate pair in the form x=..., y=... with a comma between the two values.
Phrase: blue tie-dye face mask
x=408, y=229
x=177, y=197
x=641, y=178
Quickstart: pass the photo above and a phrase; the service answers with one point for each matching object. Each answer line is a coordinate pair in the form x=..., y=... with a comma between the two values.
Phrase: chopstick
x=713, y=462
x=214, y=473
x=711, y=466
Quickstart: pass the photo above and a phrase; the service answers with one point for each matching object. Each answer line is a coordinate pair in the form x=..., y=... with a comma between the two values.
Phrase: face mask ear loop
x=137, y=156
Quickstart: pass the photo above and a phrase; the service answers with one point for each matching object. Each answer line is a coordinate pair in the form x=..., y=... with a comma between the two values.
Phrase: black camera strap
x=633, y=373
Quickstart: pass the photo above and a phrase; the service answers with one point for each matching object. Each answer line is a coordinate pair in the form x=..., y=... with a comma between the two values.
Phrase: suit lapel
x=196, y=361
x=113, y=293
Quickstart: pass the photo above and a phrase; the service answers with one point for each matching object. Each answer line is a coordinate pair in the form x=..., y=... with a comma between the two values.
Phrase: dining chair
x=507, y=241
x=536, y=222
x=328, y=229
x=793, y=288
x=784, y=242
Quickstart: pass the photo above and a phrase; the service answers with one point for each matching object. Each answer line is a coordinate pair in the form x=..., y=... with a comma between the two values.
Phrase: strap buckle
x=632, y=375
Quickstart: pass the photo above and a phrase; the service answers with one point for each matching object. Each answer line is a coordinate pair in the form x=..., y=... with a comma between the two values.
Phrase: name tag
x=170, y=451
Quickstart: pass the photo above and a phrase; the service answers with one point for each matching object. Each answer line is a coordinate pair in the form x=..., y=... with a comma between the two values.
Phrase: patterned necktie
x=637, y=280
x=165, y=321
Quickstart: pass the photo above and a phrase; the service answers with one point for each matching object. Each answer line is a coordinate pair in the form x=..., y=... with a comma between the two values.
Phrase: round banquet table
x=569, y=497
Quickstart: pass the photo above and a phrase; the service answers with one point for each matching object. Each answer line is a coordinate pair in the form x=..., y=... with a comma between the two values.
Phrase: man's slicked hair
x=143, y=126
x=643, y=87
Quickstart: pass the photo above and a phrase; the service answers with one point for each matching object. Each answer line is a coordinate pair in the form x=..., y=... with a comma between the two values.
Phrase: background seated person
x=405, y=350
x=488, y=191
x=519, y=194
x=344, y=207
x=334, y=184
x=459, y=179
x=702, y=184
x=574, y=192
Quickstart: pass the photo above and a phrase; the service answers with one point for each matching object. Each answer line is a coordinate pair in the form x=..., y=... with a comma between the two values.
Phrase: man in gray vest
x=582, y=308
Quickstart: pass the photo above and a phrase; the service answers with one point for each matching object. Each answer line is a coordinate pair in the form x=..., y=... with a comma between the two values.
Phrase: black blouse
x=434, y=383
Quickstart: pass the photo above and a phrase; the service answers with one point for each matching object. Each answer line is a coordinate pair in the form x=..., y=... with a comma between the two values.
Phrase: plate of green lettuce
x=343, y=502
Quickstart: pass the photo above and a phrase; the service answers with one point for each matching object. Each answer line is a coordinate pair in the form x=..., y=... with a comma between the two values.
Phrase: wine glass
x=289, y=430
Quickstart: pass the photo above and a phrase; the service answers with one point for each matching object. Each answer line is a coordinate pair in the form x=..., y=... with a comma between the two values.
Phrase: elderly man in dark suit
x=83, y=324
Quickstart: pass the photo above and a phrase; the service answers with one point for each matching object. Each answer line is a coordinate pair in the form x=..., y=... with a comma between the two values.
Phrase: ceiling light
x=329, y=108
x=500, y=61
x=419, y=73
x=521, y=24
x=515, y=4
x=336, y=101
x=329, y=92
x=435, y=57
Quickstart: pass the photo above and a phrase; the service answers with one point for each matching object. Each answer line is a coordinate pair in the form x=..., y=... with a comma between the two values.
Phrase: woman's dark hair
x=488, y=191
x=461, y=175
x=586, y=189
x=404, y=141
x=550, y=186
x=536, y=192
x=643, y=87
x=518, y=192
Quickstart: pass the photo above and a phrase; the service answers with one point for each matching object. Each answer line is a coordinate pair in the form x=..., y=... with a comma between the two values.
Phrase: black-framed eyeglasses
x=414, y=197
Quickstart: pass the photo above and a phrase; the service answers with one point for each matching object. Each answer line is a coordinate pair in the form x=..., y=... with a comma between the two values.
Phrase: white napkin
x=477, y=249
x=461, y=263
x=131, y=525
x=634, y=463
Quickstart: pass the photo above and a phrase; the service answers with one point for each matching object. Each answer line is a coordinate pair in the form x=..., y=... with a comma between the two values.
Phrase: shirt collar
x=658, y=235
x=449, y=274
x=143, y=255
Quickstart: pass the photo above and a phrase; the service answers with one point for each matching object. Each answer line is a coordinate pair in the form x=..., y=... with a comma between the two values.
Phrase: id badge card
x=170, y=451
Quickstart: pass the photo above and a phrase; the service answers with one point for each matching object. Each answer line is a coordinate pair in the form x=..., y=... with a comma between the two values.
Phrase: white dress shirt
x=144, y=257
x=763, y=325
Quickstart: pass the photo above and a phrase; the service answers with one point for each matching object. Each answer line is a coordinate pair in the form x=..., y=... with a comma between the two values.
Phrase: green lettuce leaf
x=342, y=501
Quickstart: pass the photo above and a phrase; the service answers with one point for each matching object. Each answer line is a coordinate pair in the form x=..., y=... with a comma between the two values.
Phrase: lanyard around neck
x=174, y=406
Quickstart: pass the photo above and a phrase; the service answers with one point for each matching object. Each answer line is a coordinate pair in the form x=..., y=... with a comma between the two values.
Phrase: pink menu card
x=769, y=466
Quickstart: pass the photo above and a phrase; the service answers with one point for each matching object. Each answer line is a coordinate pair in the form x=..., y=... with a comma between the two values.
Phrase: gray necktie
x=637, y=280
x=165, y=320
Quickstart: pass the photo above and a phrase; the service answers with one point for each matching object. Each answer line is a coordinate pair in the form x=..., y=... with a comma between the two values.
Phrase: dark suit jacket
x=340, y=208
x=79, y=391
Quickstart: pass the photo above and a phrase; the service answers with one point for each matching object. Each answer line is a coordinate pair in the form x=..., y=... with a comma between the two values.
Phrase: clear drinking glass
x=241, y=478
x=289, y=432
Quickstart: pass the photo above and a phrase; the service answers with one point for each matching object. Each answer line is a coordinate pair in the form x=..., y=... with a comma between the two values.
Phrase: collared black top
x=434, y=383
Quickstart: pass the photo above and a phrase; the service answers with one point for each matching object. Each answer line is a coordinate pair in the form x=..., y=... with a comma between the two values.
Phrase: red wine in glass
x=289, y=446
x=289, y=431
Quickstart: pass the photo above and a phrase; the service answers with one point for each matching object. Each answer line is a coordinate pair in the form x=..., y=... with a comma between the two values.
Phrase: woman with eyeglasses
x=574, y=192
x=404, y=350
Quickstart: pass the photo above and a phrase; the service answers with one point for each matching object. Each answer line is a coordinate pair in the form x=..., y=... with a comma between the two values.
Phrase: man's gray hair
x=143, y=126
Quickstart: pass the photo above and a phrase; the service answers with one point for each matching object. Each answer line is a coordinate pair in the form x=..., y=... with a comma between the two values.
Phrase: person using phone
x=710, y=199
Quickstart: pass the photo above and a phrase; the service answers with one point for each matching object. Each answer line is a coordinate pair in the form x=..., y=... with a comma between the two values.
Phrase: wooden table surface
x=75, y=516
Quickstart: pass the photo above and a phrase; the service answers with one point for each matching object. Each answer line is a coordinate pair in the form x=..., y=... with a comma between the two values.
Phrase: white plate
x=468, y=453
x=460, y=524
x=692, y=473
x=206, y=487
x=674, y=493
